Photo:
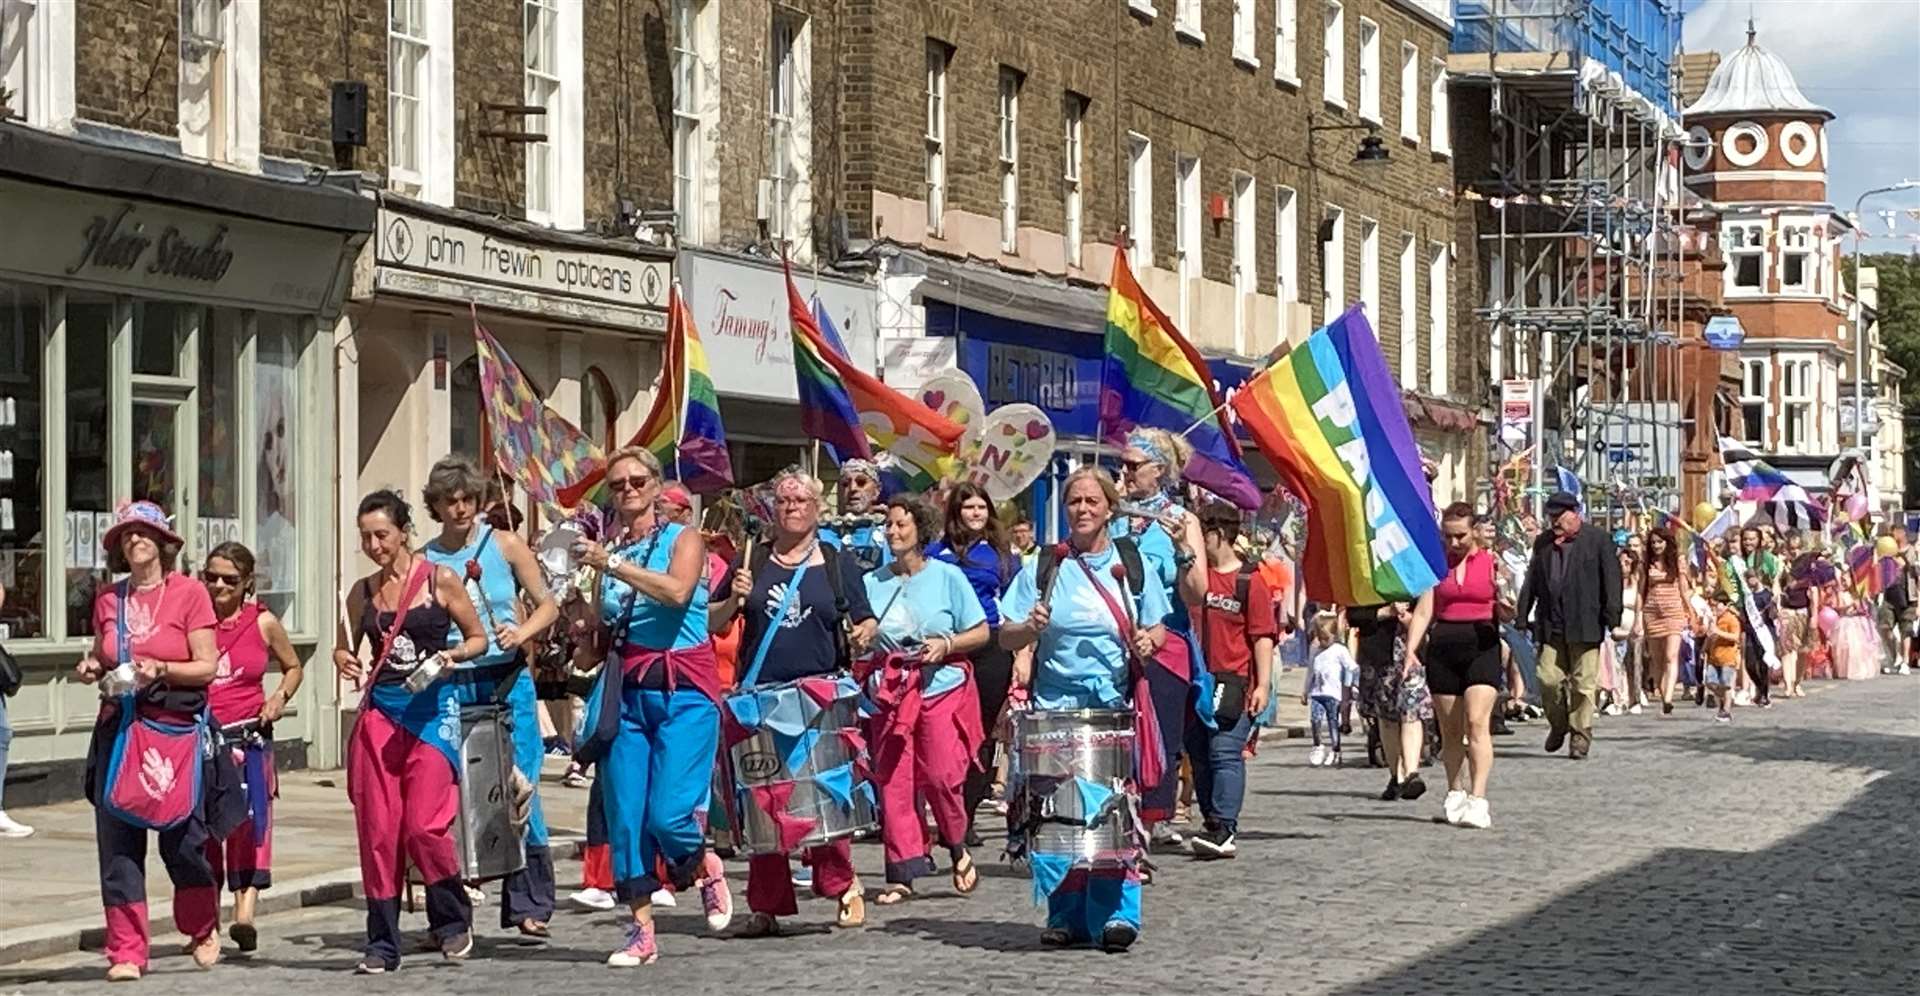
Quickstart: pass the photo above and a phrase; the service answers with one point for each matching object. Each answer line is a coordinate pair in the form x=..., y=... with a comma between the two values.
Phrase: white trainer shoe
x=11, y=828
x=1453, y=805
x=1475, y=814
x=593, y=899
x=664, y=899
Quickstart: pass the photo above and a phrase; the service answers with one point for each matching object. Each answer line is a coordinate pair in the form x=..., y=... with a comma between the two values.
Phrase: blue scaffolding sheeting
x=1634, y=38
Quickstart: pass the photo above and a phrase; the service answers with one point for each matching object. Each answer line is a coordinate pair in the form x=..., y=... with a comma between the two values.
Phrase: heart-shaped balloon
x=953, y=396
x=1010, y=451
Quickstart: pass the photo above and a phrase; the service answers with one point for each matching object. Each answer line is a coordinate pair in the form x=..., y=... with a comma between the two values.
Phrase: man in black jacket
x=1571, y=601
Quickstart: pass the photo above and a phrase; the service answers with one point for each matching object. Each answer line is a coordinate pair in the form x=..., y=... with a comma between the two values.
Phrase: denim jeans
x=1220, y=770
x=6, y=743
x=1325, y=714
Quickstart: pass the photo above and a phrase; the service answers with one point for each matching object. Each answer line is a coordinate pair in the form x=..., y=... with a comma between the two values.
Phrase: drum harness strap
x=752, y=676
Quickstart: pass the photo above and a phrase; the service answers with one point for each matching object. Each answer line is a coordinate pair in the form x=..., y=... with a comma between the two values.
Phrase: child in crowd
x=1327, y=679
x=1723, y=655
x=1758, y=674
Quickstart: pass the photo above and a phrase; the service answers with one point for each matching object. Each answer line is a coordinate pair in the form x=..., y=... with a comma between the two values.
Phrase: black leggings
x=992, y=679
x=1757, y=671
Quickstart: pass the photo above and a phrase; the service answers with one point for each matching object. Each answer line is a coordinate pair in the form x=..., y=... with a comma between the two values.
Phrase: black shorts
x=1461, y=654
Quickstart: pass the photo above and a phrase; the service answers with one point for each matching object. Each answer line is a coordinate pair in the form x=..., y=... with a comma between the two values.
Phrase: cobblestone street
x=1774, y=855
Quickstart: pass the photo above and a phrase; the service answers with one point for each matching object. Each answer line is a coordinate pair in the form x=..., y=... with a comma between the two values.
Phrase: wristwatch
x=1182, y=559
x=614, y=560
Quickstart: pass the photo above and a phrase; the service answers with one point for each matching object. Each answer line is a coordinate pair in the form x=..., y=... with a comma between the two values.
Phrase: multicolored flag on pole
x=1154, y=377
x=855, y=412
x=1329, y=416
x=683, y=430
x=531, y=443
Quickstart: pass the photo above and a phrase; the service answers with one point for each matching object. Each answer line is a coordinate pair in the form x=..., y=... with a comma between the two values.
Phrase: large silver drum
x=1054, y=752
x=804, y=740
x=485, y=837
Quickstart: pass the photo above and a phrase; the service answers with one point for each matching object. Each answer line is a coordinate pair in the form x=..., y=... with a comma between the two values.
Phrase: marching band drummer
x=927, y=719
x=859, y=529
x=498, y=569
x=246, y=636
x=805, y=640
x=403, y=759
x=1084, y=660
x=659, y=767
x=1170, y=544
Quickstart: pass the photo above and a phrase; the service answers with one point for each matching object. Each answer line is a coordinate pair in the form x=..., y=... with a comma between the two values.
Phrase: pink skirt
x=1856, y=649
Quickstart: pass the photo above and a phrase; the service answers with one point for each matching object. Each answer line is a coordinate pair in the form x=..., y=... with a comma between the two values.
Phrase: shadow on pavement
x=1832, y=909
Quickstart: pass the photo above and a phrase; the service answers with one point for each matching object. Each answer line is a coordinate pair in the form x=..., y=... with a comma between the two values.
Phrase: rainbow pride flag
x=1329, y=416
x=1154, y=377
x=684, y=429
x=853, y=411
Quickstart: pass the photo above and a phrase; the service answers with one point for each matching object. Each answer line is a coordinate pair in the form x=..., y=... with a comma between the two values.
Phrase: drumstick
x=1060, y=554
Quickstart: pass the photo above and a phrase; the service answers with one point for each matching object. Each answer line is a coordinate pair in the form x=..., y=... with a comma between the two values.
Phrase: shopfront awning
x=980, y=287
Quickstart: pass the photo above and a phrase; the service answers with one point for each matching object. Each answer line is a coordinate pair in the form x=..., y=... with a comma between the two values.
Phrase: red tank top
x=239, y=683
x=1466, y=593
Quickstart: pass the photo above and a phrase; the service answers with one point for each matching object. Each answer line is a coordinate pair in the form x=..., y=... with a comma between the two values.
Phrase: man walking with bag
x=1571, y=601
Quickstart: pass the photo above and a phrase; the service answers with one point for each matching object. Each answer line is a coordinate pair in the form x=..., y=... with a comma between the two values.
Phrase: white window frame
x=1186, y=21
x=1075, y=113
x=1140, y=200
x=693, y=44
x=1410, y=92
x=1333, y=265
x=1246, y=257
x=553, y=80
x=1409, y=313
x=1796, y=239
x=1333, y=54
x=1187, y=229
x=1763, y=365
x=1439, y=115
x=1009, y=121
x=407, y=92
x=1286, y=248
x=1799, y=431
x=430, y=177
x=1243, y=34
x=36, y=60
x=1144, y=8
x=939, y=58
x=1745, y=240
x=1286, y=42
x=219, y=82
x=1439, y=263
x=790, y=132
x=1370, y=270
x=1369, y=70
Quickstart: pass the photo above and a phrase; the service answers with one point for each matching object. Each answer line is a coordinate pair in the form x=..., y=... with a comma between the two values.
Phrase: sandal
x=534, y=928
x=893, y=895
x=966, y=874
x=759, y=925
x=853, y=907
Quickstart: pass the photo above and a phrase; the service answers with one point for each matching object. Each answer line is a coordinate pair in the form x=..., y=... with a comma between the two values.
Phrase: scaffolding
x=1580, y=224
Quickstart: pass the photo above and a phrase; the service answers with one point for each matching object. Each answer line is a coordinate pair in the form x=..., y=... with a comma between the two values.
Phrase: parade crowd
x=777, y=680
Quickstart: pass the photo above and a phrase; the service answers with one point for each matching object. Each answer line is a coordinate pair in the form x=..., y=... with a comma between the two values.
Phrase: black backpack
x=1049, y=565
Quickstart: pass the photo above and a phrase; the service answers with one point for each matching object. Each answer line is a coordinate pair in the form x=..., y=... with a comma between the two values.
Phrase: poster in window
x=275, y=508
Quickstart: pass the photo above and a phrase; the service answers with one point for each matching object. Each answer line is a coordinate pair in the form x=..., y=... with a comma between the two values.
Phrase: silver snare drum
x=796, y=742
x=1053, y=751
x=488, y=843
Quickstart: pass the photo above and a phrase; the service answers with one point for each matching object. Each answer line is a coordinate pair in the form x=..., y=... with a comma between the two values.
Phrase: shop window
x=159, y=329
x=89, y=329
x=276, y=391
x=464, y=411
x=599, y=408
x=22, y=527
x=217, y=465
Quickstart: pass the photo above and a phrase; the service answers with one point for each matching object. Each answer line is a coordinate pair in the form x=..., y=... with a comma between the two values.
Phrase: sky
x=1859, y=59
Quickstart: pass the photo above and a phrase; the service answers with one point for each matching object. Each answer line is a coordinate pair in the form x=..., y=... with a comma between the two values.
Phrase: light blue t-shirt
x=936, y=601
x=1156, y=554
x=1080, y=662
x=494, y=595
x=655, y=626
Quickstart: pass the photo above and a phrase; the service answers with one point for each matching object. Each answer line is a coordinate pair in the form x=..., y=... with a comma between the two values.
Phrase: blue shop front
x=1057, y=370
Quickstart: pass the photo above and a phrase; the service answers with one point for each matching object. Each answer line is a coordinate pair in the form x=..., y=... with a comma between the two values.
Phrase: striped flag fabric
x=1786, y=503
x=1154, y=377
x=1329, y=416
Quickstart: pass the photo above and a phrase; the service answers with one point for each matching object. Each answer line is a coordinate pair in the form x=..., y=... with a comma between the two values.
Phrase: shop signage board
x=430, y=245
x=740, y=308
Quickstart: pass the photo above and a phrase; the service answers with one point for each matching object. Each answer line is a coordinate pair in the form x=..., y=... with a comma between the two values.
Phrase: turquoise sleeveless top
x=654, y=626
x=494, y=595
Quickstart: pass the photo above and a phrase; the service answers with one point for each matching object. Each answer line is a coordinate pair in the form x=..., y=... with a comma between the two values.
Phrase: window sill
x=1287, y=80
x=1189, y=33
x=1247, y=60
x=1337, y=103
x=1441, y=154
x=1411, y=141
x=1142, y=9
x=1372, y=119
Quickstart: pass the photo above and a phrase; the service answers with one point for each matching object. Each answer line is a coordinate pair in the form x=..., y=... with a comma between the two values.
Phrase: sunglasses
x=224, y=580
x=1135, y=464
x=634, y=483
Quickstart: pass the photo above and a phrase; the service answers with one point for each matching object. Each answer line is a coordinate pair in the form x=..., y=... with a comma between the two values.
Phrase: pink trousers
x=404, y=797
x=770, y=879
x=930, y=762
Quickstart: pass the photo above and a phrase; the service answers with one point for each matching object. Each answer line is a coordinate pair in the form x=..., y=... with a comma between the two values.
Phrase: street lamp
x=1859, y=324
x=1372, y=151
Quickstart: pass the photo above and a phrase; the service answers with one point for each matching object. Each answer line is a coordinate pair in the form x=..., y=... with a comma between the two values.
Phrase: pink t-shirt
x=239, y=690
x=158, y=620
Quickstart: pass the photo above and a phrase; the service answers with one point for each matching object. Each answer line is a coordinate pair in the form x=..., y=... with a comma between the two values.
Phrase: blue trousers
x=1091, y=898
x=657, y=774
x=1220, y=771
x=1325, y=714
x=527, y=894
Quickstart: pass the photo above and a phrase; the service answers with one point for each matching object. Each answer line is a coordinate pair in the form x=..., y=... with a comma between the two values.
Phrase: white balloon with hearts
x=953, y=396
x=1010, y=451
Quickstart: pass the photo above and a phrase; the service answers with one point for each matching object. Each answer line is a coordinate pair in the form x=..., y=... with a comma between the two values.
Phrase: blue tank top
x=654, y=626
x=495, y=595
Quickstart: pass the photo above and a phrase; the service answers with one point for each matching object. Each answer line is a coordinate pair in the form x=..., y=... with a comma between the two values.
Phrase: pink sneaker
x=639, y=949
x=715, y=897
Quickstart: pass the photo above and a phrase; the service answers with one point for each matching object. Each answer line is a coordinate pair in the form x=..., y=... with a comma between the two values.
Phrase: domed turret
x=1753, y=136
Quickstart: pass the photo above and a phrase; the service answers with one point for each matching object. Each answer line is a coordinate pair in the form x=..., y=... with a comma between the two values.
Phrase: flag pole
x=679, y=357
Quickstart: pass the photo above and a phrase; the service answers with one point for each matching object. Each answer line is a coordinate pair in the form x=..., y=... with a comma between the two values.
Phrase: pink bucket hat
x=138, y=513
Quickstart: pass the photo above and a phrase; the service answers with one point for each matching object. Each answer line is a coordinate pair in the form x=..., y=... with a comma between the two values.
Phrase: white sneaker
x=1634, y=709
x=10, y=828
x=664, y=899
x=593, y=899
x=477, y=897
x=1317, y=756
x=1454, y=804
x=1475, y=815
